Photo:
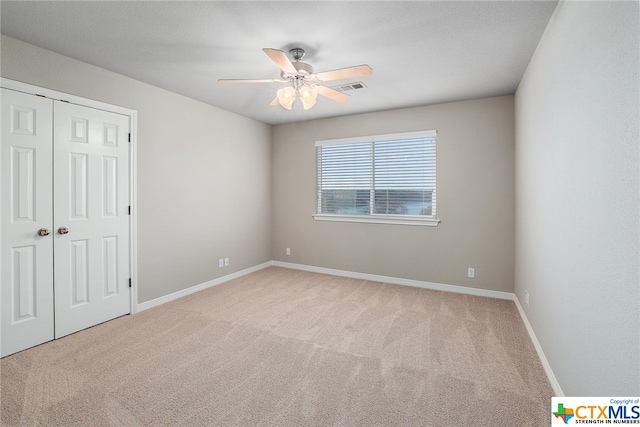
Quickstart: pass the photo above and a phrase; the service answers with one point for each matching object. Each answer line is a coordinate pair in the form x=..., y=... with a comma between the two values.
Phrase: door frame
x=133, y=160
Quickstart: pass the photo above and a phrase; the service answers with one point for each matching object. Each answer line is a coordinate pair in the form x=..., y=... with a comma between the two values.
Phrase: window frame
x=399, y=219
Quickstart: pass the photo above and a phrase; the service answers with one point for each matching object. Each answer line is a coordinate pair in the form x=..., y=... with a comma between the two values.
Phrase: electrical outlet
x=288, y=251
x=226, y=262
x=526, y=298
x=471, y=273
x=220, y=263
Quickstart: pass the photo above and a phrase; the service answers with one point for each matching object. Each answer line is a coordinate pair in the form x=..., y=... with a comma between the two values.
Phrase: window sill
x=380, y=219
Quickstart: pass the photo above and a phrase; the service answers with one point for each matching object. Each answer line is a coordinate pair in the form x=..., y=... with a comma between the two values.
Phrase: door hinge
x=129, y=281
x=129, y=137
x=129, y=210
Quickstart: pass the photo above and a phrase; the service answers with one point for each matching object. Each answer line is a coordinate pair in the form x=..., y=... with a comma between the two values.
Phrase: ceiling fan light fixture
x=308, y=96
x=286, y=96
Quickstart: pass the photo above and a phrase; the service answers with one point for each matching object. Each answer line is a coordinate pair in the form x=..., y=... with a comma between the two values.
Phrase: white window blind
x=392, y=176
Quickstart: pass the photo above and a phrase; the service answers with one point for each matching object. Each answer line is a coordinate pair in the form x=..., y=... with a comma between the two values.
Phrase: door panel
x=78, y=185
x=91, y=173
x=26, y=258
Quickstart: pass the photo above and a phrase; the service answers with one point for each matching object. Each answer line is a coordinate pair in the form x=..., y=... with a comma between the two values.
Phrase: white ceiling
x=421, y=52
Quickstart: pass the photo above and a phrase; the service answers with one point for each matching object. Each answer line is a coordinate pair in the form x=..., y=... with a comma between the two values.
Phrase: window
x=383, y=178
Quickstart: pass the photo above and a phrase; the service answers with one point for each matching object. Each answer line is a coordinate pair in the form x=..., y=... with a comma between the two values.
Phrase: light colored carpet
x=283, y=347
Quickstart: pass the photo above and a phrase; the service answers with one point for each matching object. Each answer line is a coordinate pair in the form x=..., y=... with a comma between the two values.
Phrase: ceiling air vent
x=349, y=86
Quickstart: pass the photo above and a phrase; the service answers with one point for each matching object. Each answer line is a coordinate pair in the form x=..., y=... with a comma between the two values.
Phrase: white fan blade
x=345, y=73
x=281, y=60
x=251, y=81
x=332, y=94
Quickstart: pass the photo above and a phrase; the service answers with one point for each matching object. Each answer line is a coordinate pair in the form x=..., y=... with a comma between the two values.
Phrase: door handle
x=63, y=230
x=43, y=232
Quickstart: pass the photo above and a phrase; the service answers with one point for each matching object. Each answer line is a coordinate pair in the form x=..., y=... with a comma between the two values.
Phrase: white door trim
x=133, y=184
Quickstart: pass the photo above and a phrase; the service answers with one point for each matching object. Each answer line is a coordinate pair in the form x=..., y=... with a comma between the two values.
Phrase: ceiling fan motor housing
x=303, y=68
x=304, y=72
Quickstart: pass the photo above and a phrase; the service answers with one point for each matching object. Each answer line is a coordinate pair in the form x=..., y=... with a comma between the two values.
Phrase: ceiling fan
x=302, y=81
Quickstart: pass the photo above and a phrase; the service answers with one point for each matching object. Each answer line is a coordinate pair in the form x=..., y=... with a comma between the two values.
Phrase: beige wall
x=475, y=184
x=203, y=173
x=578, y=197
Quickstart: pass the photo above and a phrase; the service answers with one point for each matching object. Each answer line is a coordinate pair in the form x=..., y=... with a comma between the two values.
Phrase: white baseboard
x=398, y=281
x=179, y=294
x=555, y=385
x=365, y=276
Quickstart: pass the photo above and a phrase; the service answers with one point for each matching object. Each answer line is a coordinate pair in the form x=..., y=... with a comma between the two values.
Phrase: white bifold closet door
x=27, y=258
x=91, y=200
x=64, y=219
